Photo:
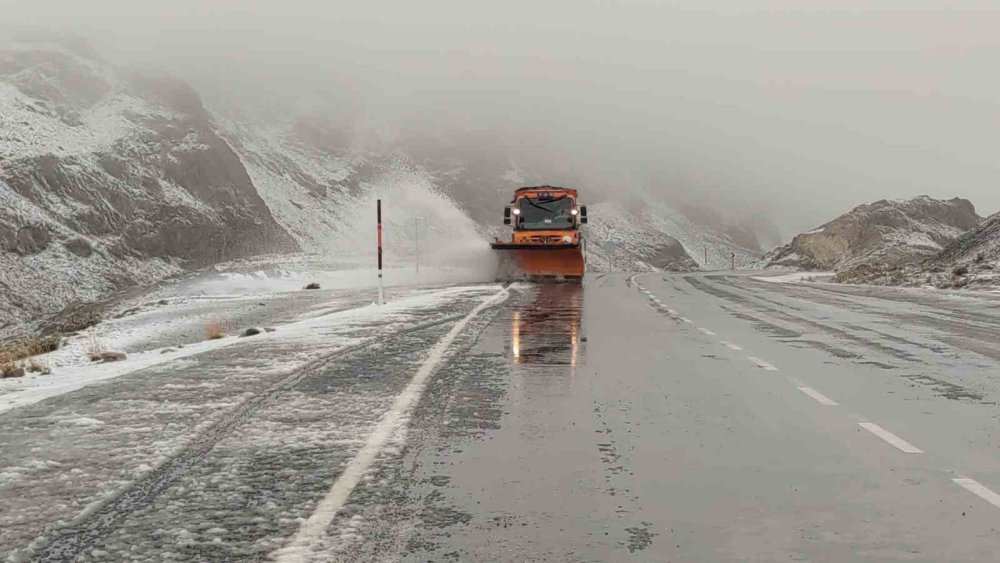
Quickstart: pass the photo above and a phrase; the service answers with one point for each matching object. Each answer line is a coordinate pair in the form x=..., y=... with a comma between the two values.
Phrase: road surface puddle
x=546, y=330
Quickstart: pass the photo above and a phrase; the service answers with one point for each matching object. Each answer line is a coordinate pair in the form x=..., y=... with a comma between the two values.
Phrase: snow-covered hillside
x=971, y=261
x=325, y=197
x=888, y=233
x=111, y=179
x=642, y=235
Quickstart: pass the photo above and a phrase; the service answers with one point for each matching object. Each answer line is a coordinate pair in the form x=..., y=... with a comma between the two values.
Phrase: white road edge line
x=314, y=528
x=978, y=489
x=900, y=444
x=820, y=398
x=731, y=346
x=762, y=364
x=706, y=332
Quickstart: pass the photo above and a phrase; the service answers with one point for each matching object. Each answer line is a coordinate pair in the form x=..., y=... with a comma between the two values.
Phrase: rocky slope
x=640, y=235
x=880, y=235
x=109, y=180
x=972, y=261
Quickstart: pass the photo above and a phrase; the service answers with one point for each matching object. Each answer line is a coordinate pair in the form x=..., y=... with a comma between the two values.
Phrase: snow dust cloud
x=421, y=228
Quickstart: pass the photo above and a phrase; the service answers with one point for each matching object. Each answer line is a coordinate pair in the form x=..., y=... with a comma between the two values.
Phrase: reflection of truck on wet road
x=546, y=241
x=546, y=331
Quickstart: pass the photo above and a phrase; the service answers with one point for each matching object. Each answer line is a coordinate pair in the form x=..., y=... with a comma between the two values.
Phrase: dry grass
x=12, y=354
x=95, y=348
x=215, y=330
x=7, y=368
x=39, y=365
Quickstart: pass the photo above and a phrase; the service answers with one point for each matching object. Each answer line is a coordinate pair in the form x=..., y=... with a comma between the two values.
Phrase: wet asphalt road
x=596, y=424
x=682, y=417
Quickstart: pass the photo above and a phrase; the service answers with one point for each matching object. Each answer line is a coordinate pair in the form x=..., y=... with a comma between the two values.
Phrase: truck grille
x=546, y=239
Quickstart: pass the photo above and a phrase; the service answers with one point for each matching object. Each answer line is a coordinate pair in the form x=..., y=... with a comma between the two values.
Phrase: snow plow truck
x=546, y=242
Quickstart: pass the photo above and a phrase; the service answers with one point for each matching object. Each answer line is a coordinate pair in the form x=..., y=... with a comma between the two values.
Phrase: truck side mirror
x=583, y=214
x=506, y=216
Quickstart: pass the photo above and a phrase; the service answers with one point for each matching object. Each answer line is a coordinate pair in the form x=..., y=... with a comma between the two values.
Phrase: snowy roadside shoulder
x=987, y=288
x=31, y=389
x=796, y=277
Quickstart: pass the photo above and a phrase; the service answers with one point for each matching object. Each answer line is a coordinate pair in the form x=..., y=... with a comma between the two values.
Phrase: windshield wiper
x=546, y=209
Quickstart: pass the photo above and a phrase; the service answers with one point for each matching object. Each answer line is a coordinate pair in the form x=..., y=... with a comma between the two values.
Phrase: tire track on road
x=859, y=341
x=91, y=527
x=938, y=386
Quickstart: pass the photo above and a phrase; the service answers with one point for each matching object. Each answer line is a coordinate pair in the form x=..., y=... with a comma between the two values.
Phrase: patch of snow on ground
x=71, y=370
x=797, y=277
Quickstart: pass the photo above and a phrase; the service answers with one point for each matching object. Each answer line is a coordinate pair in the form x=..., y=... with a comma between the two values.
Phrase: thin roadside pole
x=416, y=238
x=378, y=212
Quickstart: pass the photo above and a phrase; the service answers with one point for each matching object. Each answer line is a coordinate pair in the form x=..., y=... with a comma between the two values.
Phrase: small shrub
x=114, y=356
x=960, y=270
x=980, y=257
x=313, y=285
x=39, y=365
x=95, y=348
x=215, y=330
x=12, y=352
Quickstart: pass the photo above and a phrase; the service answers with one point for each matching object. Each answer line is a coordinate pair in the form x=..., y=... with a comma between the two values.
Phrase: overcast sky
x=810, y=106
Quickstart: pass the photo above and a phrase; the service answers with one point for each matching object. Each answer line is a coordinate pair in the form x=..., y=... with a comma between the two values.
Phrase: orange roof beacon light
x=546, y=242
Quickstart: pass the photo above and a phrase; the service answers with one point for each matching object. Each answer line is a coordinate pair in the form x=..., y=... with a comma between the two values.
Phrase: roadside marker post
x=378, y=213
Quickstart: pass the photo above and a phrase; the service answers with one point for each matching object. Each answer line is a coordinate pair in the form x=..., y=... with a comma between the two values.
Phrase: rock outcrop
x=972, y=261
x=883, y=234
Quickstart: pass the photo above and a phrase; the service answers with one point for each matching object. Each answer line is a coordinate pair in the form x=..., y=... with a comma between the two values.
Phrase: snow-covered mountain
x=640, y=234
x=884, y=233
x=111, y=178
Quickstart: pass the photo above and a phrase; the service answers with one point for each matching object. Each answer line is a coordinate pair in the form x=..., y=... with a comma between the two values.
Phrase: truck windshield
x=551, y=214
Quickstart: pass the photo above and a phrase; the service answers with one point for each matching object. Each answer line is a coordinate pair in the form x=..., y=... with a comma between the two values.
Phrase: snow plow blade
x=537, y=261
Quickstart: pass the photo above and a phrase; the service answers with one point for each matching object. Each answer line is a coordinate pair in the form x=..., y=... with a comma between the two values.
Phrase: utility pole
x=706, y=256
x=733, y=256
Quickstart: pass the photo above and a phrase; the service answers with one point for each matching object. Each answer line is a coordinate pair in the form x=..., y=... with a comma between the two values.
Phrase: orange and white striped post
x=378, y=212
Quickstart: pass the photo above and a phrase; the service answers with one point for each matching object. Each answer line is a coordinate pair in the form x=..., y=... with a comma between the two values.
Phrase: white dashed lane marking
x=978, y=489
x=971, y=485
x=820, y=398
x=762, y=364
x=900, y=444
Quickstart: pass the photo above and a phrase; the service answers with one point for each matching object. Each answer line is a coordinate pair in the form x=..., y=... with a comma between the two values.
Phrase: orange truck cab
x=546, y=241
